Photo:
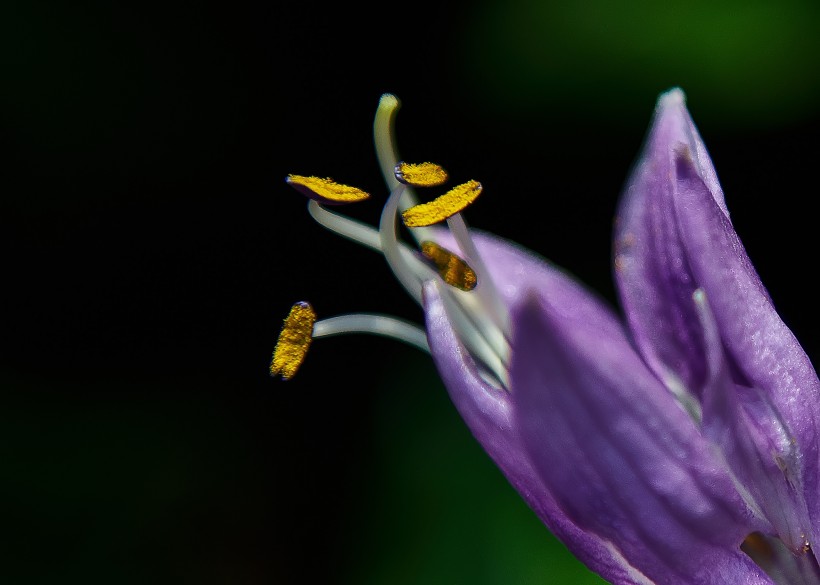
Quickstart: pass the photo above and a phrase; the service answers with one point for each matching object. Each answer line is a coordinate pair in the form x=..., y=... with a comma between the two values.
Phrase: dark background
x=151, y=250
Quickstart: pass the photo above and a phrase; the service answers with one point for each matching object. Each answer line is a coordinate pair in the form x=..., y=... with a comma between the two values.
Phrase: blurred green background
x=151, y=249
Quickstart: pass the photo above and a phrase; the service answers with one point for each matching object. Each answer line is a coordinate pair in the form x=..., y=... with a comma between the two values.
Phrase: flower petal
x=762, y=348
x=488, y=411
x=651, y=266
x=751, y=436
x=617, y=452
x=674, y=236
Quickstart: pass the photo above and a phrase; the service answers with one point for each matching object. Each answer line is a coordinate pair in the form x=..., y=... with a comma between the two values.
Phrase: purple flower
x=677, y=444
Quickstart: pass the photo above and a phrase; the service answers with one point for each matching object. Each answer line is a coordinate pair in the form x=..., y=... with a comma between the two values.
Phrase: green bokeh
x=750, y=63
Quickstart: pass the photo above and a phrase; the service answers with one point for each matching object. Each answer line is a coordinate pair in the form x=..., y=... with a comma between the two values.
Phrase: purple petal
x=651, y=267
x=754, y=440
x=763, y=350
x=488, y=411
x=674, y=236
x=617, y=452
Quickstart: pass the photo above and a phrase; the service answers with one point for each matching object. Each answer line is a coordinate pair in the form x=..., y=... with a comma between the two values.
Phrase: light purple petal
x=617, y=452
x=651, y=267
x=763, y=350
x=674, y=236
x=488, y=411
x=753, y=439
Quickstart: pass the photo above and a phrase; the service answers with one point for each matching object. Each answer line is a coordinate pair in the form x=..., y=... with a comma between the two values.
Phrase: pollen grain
x=294, y=341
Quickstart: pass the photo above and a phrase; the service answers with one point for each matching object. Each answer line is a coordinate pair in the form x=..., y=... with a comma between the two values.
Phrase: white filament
x=485, y=289
x=475, y=323
x=374, y=324
x=472, y=337
x=479, y=318
x=485, y=341
x=350, y=228
x=388, y=155
x=406, y=275
x=464, y=309
x=359, y=232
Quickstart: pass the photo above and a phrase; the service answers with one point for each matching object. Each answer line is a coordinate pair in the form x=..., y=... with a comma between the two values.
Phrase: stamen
x=420, y=175
x=480, y=324
x=387, y=153
x=485, y=341
x=473, y=336
x=442, y=207
x=383, y=325
x=452, y=269
x=404, y=271
x=326, y=190
x=366, y=235
x=487, y=291
x=350, y=228
x=294, y=341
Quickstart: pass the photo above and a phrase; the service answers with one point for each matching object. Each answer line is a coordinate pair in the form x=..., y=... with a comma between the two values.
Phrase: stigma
x=472, y=302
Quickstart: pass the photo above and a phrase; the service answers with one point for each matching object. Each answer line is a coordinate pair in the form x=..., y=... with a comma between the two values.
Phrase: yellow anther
x=442, y=207
x=452, y=269
x=420, y=175
x=326, y=190
x=294, y=341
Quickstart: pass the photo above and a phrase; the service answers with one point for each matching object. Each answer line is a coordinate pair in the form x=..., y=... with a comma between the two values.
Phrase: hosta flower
x=674, y=444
